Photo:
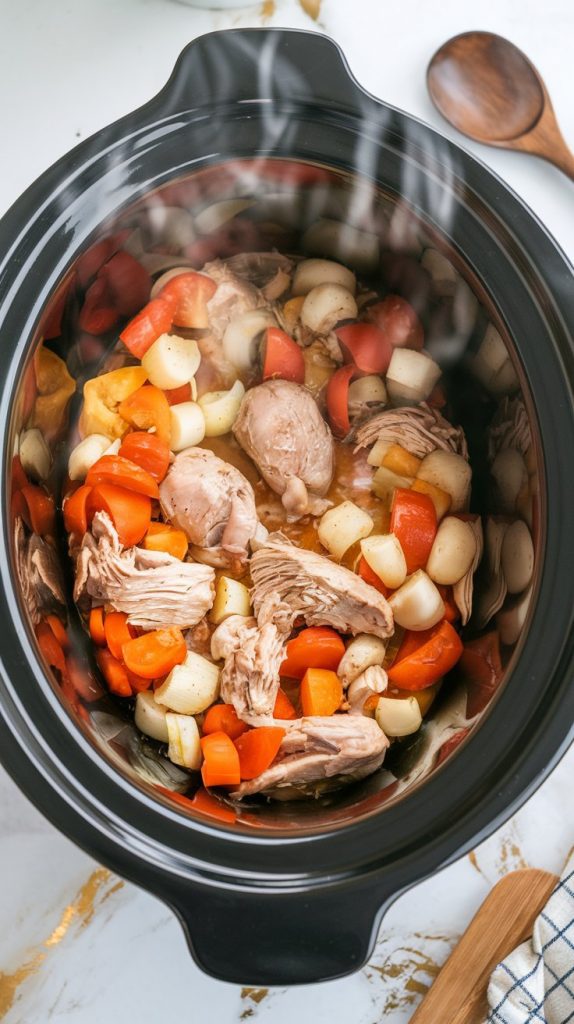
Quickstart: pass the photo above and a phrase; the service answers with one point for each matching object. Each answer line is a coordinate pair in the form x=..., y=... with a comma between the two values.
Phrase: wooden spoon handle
x=505, y=919
x=547, y=142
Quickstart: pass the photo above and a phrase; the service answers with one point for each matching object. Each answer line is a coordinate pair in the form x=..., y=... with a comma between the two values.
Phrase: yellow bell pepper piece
x=55, y=386
x=103, y=395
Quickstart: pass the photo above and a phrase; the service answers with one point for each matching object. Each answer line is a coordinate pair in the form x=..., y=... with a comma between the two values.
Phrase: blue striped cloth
x=535, y=984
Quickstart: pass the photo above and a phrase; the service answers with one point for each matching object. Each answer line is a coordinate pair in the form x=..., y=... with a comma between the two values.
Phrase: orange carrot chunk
x=121, y=472
x=223, y=718
x=147, y=451
x=130, y=512
x=425, y=656
x=283, y=708
x=315, y=647
x=41, y=510
x=162, y=537
x=155, y=654
x=321, y=692
x=258, y=749
x=75, y=512
x=220, y=760
x=114, y=673
x=96, y=627
x=117, y=632
x=148, y=408
x=414, y=524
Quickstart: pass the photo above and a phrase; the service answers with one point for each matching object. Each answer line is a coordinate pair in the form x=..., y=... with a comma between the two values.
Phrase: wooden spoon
x=488, y=89
x=505, y=919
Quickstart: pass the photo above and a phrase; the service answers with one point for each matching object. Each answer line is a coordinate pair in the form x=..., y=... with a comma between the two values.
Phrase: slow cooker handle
x=242, y=65
x=291, y=939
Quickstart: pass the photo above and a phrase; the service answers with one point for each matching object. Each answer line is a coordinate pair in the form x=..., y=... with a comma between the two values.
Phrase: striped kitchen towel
x=535, y=984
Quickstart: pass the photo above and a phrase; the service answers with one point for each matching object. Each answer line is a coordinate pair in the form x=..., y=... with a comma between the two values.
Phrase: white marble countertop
x=77, y=944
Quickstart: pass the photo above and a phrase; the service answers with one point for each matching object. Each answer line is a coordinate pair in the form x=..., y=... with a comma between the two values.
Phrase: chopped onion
x=517, y=557
x=190, y=687
x=311, y=273
x=386, y=558
x=451, y=473
x=411, y=376
x=417, y=604
x=83, y=456
x=343, y=526
x=452, y=553
x=242, y=335
x=171, y=361
x=220, y=408
x=231, y=598
x=187, y=425
x=211, y=218
x=362, y=652
x=325, y=306
x=150, y=717
x=34, y=454
x=184, y=743
x=398, y=717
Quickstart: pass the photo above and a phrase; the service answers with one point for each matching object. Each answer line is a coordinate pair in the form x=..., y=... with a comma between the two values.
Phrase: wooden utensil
x=488, y=89
x=505, y=919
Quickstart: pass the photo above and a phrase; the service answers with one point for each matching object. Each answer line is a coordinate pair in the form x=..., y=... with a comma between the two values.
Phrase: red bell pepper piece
x=129, y=284
x=190, y=294
x=398, y=321
x=366, y=346
x=481, y=665
x=337, y=398
x=155, y=319
x=414, y=524
x=282, y=357
x=98, y=313
x=370, y=577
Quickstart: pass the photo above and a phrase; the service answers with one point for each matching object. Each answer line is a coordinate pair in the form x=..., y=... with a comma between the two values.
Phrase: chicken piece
x=234, y=296
x=282, y=430
x=250, y=675
x=419, y=429
x=349, y=746
x=213, y=504
x=290, y=583
x=259, y=268
x=39, y=574
x=153, y=588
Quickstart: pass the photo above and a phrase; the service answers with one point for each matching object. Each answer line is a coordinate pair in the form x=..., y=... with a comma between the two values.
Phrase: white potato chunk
x=150, y=717
x=367, y=389
x=491, y=356
x=171, y=361
x=451, y=473
x=310, y=273
x=385, y=556
x=411, y=376
x=362, y=652
x=190, y=687
x=231, y=598
x=187, y=425
x=398, y=717
x=83, y=456
x=35, y=455
x=242, y=335
x=378, y=452
x=417, y=604
x=453, y=551
x=343, y=526
x=220, y=408
x=385, y=482
x=184, y=742
x=325, y=306
x=509, y=471
x=517, y=557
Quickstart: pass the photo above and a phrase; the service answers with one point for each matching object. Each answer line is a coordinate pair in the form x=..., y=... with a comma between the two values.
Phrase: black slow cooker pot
x=290, y=892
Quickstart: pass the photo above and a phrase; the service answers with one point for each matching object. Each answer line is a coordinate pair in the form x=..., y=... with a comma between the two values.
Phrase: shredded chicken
x=350, y=746
x=39, y=574
x=290, y=583
x=282, y=430
x=419, y=429
x=153, y=588
x=214, y=505
x=250, y=675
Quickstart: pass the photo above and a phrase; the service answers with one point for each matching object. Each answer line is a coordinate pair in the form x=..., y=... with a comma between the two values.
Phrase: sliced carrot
x=155, y=654
x=321, y=692
x=220, y=760
x=59, y=631
x=283, y=707
x=206, y=803
x=401, y=461
x=315, y=647
x=223, y=718
x=369, y=576
x=163, y=537
x=451, y=612
x=190, y=294
x=138, y=683
x=19, y=478
x=146, y=327
x=129, y=512
x=75, y=511
x=148, y=408
x=41, y=509
x=148, y=451
x=177, y=395
x=50, y=648
x=426, y=656
x=258, y=749
x=114, y=673
x=117, y=632
x=122, y=472
x=97, y=627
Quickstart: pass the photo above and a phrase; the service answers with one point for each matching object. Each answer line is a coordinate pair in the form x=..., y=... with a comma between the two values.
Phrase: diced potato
x=385, y=482
x=102, y=395
x=452, y=553
x=378, y=452
x=400, y=461
x=451, y=473
x=187, y=425
x=184, y=742
x=411, y=376
x=370, y=388
x=362, y=652
x=509, y=471
x=343, y=526
x=231, y=598
x=35, y=455
x=491, y=356
x=83, y=456
x=398, y=717
x=385, y=557
x=440, y=499
x=220, y=409
x=190, y=687
x=310, y=273
x=150, y=717
x=417, y=604
x=325, y=306
x=171, y=361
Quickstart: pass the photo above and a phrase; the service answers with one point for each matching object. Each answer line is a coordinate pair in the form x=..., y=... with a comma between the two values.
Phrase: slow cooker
x=268, y=132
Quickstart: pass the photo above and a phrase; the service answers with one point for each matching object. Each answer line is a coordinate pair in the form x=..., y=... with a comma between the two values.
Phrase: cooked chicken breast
x=233, y=297
x=290, y=583
x=153, y=588
x=419, y=429
x=250, y=675
x=213, y=504
x=350, y=746
x=280, y=427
